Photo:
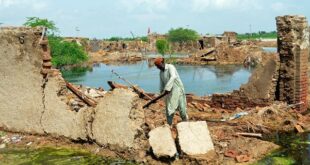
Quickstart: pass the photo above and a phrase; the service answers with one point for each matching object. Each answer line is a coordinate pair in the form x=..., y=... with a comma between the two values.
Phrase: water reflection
x=201, y=80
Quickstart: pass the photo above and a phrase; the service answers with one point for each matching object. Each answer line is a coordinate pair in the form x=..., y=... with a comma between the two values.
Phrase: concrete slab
x=194, y=138
x=162, y=143
x=116, y=121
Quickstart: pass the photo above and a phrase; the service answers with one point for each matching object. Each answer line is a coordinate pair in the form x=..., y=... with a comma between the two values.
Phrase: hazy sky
x=106, y=18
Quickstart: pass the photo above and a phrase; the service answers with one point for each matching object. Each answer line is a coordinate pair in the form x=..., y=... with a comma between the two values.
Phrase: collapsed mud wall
x=259, y=91
x=32, y=99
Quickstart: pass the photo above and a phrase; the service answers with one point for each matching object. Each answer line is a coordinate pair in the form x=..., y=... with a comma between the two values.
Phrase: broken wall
x=33, y=98
x=29, y=100
x=21, y=92
x=259, y=91
x=293, y=47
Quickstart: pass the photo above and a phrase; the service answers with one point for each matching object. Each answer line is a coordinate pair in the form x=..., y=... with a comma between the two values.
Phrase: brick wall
x=293, y=47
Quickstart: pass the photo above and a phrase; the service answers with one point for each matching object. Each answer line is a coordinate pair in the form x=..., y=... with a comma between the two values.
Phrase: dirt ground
x=230, y=148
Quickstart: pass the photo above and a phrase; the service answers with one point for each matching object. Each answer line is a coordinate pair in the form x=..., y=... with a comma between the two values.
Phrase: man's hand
x=167, y=92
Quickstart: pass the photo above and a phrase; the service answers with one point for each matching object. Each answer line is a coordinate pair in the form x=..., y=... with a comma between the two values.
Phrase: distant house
x=231, y=36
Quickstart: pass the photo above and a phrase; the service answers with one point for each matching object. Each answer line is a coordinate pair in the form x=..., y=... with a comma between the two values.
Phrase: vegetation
x=182, y=35
x=35, y=21
x=63, y=52
x=66, y=53
x=258, y=35
x=162, y=46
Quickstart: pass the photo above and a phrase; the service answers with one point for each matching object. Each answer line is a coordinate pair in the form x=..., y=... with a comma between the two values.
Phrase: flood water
x=53, y=156
x=295, y=150
x=200, y=80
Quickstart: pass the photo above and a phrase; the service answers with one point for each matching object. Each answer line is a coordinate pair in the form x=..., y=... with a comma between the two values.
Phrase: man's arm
x=161, y=84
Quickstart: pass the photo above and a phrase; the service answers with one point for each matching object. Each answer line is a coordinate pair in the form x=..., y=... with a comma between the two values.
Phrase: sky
x=107, y=18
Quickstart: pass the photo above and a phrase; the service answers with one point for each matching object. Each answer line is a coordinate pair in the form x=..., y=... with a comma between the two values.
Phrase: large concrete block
x=117, y=120
x=194, y=138
x=162, y=143
x=57, y=119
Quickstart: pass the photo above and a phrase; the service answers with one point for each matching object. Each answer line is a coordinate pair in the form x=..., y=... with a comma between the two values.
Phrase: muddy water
x=295, y=150
x=52, y=156
x=200, y=80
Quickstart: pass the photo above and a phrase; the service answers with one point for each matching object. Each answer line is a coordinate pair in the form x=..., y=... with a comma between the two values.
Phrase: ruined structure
x=293, y=47
x=32, y=99
x=285, y=79
x=231, y=37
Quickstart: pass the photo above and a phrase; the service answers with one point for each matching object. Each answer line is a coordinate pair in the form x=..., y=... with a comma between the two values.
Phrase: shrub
x=182, y=35
x=66, y=53
x=162, y=46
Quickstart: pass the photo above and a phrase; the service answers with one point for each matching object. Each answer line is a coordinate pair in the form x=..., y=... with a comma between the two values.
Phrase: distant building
x=231, y=36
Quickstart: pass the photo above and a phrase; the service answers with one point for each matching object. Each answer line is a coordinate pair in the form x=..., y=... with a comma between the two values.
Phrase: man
x=171, y=84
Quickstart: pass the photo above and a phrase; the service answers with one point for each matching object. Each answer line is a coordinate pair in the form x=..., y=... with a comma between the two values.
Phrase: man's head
x=160, y=63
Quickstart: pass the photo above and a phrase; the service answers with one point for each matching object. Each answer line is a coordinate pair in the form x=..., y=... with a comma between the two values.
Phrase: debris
x=16, y=138
x=28, y=144
x=238, y=115
x=82, y=96
x=259, y=135
x=299, y=128
x=114, y=85
x=194, y=138
x=92, y=93
x=2, y=146
x=231, y=153
x=162, y=142
x=243, y=158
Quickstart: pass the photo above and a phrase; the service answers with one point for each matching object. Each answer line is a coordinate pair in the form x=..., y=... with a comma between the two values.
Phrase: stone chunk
x=162, y=143
x=194, y=138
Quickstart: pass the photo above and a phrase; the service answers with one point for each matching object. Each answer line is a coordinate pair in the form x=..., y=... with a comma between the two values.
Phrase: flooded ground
x=200, y=80
x=53, y=156
x=295, y=150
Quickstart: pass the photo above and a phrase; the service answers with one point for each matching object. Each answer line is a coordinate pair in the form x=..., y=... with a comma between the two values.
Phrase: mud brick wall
x=259, y=91
x=97, y=45
x=293, y=47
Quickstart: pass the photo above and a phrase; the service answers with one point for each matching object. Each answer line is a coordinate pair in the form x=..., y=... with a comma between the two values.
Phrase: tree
x=36, y=21
x=66, y=53
x=63, y=52
x=162, y=46
x=182, y=35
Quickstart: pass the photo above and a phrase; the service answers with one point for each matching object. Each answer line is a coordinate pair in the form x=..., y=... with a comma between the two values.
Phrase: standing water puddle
x=295, y=150
x=53, y=156
x=200, y=80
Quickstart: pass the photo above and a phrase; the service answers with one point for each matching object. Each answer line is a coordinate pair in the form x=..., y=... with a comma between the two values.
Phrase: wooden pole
x=81, y=95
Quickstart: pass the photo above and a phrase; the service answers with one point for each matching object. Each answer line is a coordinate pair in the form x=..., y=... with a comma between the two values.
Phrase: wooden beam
x=81, y=95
